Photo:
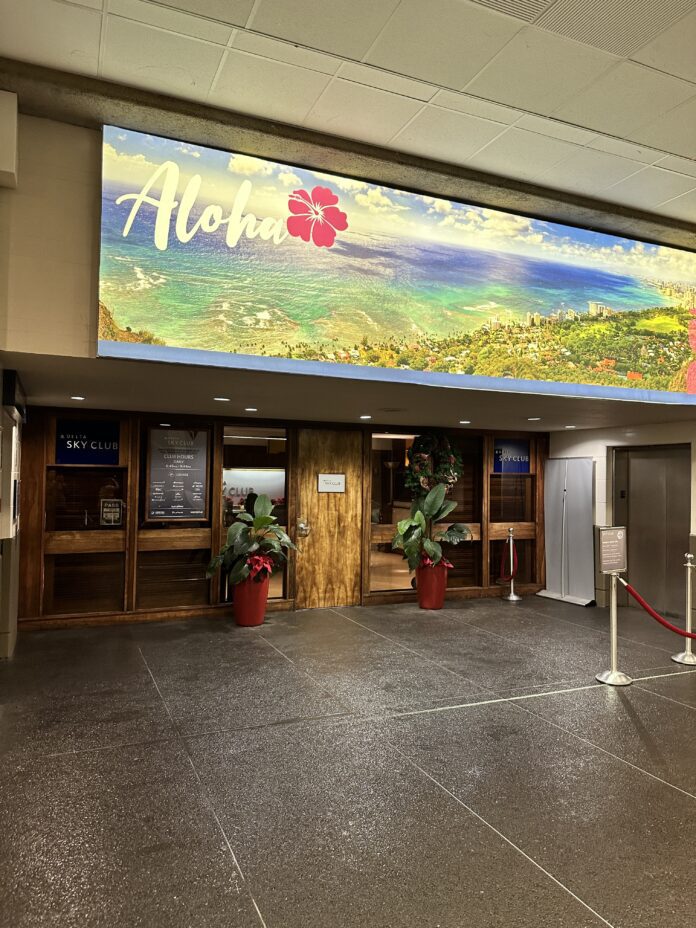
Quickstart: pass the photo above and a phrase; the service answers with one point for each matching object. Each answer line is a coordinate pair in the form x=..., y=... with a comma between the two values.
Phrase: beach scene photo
x=224, y=252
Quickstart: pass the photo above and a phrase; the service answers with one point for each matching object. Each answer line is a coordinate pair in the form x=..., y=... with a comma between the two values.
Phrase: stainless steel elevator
x=652, y=498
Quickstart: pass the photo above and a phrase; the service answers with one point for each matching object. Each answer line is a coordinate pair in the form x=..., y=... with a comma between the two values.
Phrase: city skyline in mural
x=222, y=252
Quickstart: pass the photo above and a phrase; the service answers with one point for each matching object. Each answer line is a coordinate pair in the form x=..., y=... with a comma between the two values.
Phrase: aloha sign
x=314, y=215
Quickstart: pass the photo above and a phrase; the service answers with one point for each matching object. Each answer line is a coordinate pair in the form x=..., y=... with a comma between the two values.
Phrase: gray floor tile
x=619, y=839
x=115, y=838
x=680, y=687
x=333, y=827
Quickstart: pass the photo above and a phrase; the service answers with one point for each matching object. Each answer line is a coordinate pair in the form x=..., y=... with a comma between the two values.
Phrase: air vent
x=528, y=10
x=617, y=26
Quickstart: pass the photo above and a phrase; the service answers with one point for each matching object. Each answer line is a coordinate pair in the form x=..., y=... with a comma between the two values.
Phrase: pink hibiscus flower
x=315, y=216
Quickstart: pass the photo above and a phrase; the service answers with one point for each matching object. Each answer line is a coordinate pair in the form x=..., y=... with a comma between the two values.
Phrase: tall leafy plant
x=255, y=545
x=419, y=537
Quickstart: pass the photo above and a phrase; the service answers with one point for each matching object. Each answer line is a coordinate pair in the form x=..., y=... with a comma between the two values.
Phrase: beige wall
x=49, y=241
x=598, y=444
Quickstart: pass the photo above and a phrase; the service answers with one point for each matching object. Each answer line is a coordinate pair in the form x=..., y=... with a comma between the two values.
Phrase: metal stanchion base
x=614, y=678
x=684, y=657
x=512, y=598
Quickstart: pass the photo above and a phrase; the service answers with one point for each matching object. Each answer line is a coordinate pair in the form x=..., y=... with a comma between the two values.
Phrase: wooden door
x=329, y=564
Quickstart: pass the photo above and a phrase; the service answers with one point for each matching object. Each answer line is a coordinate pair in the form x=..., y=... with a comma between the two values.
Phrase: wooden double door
x=328, y=566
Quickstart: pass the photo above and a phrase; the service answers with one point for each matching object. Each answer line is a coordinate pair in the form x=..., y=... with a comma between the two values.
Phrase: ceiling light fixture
x=465, y=421
x=250, y=409
x=165, y=425
x=534, y=419
x=78, y=398
x=221, y=399
x=569, y=426
x=365, y=417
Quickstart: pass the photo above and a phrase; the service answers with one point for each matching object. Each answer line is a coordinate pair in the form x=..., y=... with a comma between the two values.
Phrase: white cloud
x=440, y=206
x=377, y=202
x=245, y=164
x=187, y=150
x=347, y=184
x=288, y=179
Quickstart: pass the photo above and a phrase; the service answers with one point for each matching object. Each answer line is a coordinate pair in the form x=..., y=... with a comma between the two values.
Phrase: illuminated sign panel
x=249, y=259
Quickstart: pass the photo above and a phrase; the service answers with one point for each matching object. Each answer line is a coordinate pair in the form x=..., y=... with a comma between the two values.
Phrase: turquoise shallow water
x=259, y=297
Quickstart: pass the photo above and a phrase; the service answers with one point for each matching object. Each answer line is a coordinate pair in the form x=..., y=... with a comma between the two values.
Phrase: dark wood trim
x=218, y=439
x=221, y=611
x=174, y=539
x=540, y=547
x=89, y=542
x=291, y=482
x=32, y=507
x=132, y=512
x=367, y=527
x=497, y=531
x=487, y=468
x=470, y=592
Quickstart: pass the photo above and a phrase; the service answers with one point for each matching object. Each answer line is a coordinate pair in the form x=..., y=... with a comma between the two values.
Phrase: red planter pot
x=250, y=598
x=431, y=584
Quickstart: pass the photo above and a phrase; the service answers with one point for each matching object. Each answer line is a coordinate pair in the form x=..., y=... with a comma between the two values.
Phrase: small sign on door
x=612, y=550
x=331, y=483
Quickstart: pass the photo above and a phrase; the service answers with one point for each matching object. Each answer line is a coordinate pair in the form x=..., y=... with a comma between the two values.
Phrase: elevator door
x=653, y=498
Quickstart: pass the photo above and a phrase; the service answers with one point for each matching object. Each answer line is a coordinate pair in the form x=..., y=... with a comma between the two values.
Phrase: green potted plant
x=254, y=548
x=421, y=542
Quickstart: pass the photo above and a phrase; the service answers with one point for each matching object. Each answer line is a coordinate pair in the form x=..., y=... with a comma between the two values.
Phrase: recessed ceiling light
x=250, y=409
x=568, y=426
x=221, y=399
x=165, y=425
x=78, y=398
x=534, y=419
x=465, y=421
x=365, y=417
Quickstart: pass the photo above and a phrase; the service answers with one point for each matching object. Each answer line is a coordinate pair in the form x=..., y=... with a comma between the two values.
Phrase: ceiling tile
x=683, y=207
x=521, y=155
x=626, y=149
x=619, y=26
x=285, y=52
x=675, y=132
x=384, y=80
x=589, y=171
x=51, y=34
x=625, y=98
x=232, y=12
x=151, y=58
x=538, y=71
x=473, y=106
x=270, y=89
x=674, y=51
x=445, y=135
x=342, y=27
x=92, y=4
x=556, y=130
x=363, y=113
x=680, y=165
x=443, y=41
x=173, y=20
x=522, y=9
x=649, y=188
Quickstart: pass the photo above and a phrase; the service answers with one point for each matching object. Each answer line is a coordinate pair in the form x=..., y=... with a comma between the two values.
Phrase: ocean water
x=260, y=297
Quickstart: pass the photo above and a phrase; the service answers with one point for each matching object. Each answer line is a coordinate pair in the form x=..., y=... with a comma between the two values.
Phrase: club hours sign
x=177, y=479
x=87, y=441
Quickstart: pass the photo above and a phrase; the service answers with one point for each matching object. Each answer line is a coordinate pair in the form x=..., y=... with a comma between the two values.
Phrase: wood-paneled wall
x=329, y=563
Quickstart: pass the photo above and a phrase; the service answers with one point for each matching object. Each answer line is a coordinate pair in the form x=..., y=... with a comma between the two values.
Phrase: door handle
x=303, y=529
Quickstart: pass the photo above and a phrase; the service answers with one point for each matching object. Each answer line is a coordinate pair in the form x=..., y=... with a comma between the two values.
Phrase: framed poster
x=177, y=475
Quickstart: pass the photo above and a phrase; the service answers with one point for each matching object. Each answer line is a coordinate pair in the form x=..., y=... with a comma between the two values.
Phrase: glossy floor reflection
x=381, y=767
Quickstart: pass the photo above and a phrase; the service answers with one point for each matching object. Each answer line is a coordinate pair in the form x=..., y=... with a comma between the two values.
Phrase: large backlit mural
x=204, y=249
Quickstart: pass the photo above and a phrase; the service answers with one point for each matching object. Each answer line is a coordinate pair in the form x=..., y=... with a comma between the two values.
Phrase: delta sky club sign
x=224, y=252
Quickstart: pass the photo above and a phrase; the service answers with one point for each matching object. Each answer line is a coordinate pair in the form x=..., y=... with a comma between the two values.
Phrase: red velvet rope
x=506, y=557
x=658, y=618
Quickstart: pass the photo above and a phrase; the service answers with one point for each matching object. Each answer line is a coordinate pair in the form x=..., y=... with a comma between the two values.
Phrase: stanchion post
x=686, y=656
x=613, y=676
x=512, y=597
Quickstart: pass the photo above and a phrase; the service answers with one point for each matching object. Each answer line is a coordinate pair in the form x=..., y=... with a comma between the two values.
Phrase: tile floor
x=349, y=768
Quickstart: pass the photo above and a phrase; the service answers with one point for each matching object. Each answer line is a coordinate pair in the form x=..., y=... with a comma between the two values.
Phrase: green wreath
x=431, y=460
